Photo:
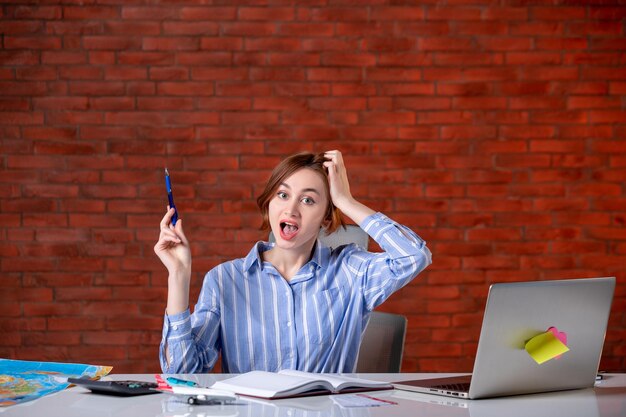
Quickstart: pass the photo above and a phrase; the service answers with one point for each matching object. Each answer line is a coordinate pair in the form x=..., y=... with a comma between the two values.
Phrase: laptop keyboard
x=463, y=387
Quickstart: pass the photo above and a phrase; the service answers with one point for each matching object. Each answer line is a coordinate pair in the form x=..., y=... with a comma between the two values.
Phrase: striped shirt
x=258, y=320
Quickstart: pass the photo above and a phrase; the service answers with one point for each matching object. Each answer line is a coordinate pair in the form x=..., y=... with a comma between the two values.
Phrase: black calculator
x=120, y=388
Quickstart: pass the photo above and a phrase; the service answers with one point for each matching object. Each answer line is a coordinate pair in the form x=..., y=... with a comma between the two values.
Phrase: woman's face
x=297, y=209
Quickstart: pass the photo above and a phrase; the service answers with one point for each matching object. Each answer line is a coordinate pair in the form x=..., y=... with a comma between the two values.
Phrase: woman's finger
x=180, y=232
x=166, y=220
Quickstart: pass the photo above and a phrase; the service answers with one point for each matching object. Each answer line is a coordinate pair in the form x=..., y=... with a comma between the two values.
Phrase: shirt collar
x=254, y=256
x=321, y=255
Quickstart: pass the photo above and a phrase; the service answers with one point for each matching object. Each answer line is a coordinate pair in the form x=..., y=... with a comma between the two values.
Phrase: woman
x=295, y=304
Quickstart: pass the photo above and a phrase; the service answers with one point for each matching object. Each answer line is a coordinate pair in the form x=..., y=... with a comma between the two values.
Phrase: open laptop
x=515, y=313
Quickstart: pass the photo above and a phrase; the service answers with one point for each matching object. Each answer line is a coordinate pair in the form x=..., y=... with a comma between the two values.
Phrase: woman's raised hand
x=172, y=247
x=337, y=178
x=340, y=188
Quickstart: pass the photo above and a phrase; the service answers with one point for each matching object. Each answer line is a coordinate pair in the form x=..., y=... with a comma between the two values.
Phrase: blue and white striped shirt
x=260, y=321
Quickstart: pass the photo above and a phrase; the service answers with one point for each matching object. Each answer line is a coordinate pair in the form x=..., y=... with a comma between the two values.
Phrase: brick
x=553, y=233
x=562, y=43
x=494, y=234
x=505, y=13
x=479, y=103
x=118, y=43
x=581, y=88
x=396, y=44
x=243, y=89
x=558, y=13
x=22, y=27
x=503, y=43
x=31, y=42
x=145, y=58
x=576, y=161
x=607, y=13
x=333, y=74
x=468, y=58
x=571, y=146
x=21, y=118
x=38, y=12
x=266, y=74
x=94, y=88
x=604, y=190
x=448, y=44
x=393, y=74
x=263, y=13
x=185, y=88
x=536, y=28
x=22, y=88
x=168, y=73
x=208, y=13
x=425, y=103
x=352, y=29
x=481, y=28
x=560, y=204
x=409, y=89
x=530, y=160
x=541, y=73
x=489, y=263
x=178, y=43
x=80, y=73
x=306, y=29
x=406, y=59
x=605, y=28
x=69, y=338
x=607, y=116
x=580, y=58
x=228, y=74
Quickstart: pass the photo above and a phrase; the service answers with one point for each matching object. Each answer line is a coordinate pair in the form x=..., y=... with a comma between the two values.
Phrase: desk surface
x=607, y=399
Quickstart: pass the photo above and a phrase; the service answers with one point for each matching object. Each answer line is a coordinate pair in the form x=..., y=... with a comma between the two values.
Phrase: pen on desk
x=178, y=381
x=377, y=399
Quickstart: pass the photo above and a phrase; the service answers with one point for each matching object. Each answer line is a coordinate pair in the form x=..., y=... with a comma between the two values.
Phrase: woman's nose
x=292, y=208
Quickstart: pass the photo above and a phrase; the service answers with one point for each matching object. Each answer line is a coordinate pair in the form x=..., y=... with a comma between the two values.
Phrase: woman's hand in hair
x=340, y=188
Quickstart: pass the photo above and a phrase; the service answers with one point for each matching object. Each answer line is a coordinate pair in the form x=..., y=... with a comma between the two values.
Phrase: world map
x=22, y=381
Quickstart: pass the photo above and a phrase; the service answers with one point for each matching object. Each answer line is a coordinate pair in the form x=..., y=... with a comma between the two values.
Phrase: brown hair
x=315, y=161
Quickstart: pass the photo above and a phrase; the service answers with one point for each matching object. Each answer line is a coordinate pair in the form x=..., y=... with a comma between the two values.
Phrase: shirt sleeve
x=405, y=256
x=189, y=341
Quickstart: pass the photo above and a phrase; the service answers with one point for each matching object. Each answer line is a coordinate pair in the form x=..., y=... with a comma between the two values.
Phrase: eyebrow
x=306, y=190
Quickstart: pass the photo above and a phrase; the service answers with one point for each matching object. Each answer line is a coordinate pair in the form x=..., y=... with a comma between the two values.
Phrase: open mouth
x=288, y=230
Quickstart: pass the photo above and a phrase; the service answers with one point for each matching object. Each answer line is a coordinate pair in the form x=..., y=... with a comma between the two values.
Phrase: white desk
x=608, y=399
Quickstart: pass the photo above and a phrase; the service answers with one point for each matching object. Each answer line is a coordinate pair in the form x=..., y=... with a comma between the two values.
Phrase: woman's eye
x=308, y=200
x=282, y=195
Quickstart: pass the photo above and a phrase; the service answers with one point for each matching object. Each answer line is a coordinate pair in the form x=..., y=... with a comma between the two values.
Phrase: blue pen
x=177, y=381
x=170, y=197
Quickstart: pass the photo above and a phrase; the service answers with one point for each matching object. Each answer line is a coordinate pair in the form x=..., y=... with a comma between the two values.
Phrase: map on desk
x=22, y=381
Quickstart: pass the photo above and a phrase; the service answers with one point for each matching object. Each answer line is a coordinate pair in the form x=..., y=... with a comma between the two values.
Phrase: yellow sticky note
x=545, y=346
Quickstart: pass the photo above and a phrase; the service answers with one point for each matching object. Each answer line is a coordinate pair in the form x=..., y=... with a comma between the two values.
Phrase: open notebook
x=291, y=383
x=517, y=355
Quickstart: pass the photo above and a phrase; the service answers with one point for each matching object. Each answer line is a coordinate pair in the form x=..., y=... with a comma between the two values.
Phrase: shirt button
x=175, y=327
x=288, y=324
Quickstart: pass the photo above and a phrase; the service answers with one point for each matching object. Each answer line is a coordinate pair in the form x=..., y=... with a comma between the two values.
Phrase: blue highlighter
x=170, y=197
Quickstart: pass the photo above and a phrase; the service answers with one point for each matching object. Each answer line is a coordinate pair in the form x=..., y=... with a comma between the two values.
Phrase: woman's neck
x=289, y=261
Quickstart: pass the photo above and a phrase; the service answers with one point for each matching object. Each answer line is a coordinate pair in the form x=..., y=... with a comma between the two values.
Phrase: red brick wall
x=495, y=129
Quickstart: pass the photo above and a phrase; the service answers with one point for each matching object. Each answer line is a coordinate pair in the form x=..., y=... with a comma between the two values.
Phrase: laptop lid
x=517, y=312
